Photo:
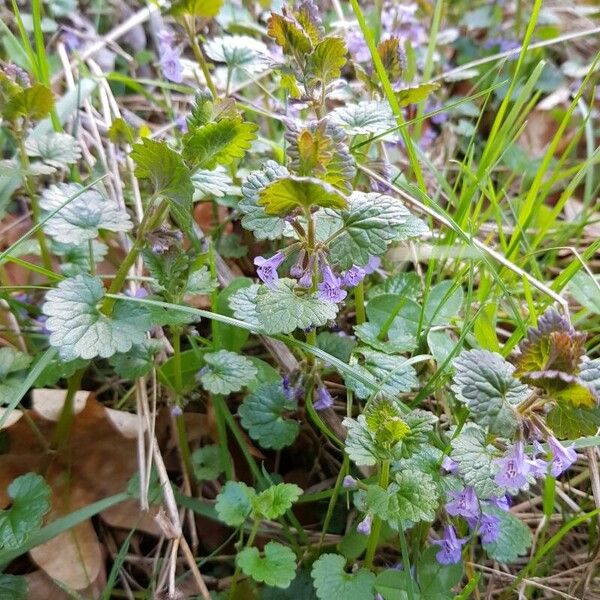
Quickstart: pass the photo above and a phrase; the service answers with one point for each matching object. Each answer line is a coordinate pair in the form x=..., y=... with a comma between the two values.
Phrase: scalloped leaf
x=275, y=501
x=365, y=118
x=514, y=539
x=218, y=143
x=262, y=414
x=56, y=149
x=332, y=581
x=238, y=52
x=277, y=567
x=234, y=503
x=206, y=9
x=280, y=310
x=285, y=195
x=79, y=330
x=326, y=61
x=226, y=372
x=484, y=382
x=289, y=34
x=81, y=219
x=34, y=102
x=255, y=218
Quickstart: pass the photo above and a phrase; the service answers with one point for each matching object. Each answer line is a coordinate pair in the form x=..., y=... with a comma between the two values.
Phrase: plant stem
x=64, y=425
x=236, y=574
x=184, y=447
x=359, y=303
x=190, y=30
x=406, y=563
x=385, y=328
x=384, y=478
x=333, y=500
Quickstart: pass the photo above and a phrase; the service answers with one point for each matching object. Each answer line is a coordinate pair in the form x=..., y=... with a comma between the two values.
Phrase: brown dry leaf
x=40, y=586
x=98, y=462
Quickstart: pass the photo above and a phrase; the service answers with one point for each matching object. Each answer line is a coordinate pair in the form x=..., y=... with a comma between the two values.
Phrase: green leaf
x=402, y=332
x=207, y=463
x=326, y=61
x=393, y=584
x=56, y=149
x=255, y=218
x=238, y=52
x=30, y=496
x=365, y=118
x=215, y=183
x=585, y=290
x=82, y=218
x=138, y=361
x=402, y=285
x=169, y=270
x=234, y=503
x=34, y=102
x=243, y=304
x=289, y=193
x=420, y=423
x=277, y=567
x=232, y=338
x=392, y=57
x=513, y=540
x=436, y=580
x=443, y=303
x=280, y=310
x=13, y=587
x=206, y=9
x=76, y=258
x=476, y=460
x=57, y=370
x=301, y=588
x=226, y=372
x=201, y=281
x=332, y=581
x=262, y=414
x=165, y=169
x=571, y=422
x=411, y=497
x=415, y=94
x=276, y=500
x=392, y=374
x=218, y=143
x=361, y=446
x=371, y=222
x=484, y=382
x=13, y=365
x=340, y=346
x=289, y=34
x=79, y=330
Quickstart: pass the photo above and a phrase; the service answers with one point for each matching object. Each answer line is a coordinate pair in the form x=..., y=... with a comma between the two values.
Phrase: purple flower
x=450, y=547
x=139, y=293
x=181, y=124
x=176, y=411
x=349, y=482
x=562, y=458
x=372, y=265
x=449, y=465
x=267, y=267
x=489, y=528
x=353, y=276
x=298, y=270
x=364, y=526
x=501, y=502
x=330, y=288
x=324, y=399
x=166, y=37
x=306, y=280
x=170, y=63
x=539, y=467
x=464, y=504
x=514, y=468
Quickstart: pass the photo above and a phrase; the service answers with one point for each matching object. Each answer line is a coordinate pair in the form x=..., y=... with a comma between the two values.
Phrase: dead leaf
x=98, y=462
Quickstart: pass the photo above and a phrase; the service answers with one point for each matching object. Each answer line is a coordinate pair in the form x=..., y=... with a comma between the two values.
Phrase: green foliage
x=484, y=382
x=279, y=309
x=165, y=169
x=82, y=218
x=234, y=503
x=413, y=95
x=207, y=463
x=275, y=501
x=226, y=372
x=30, y=496
x=366, y=117
x=277, y=567
x=138, y=361
x=327, y=59
x=78, y=329
x=255, y=218
x=13, y=365
x=289, y=193
x=289, y=34
x=57, y=150
x=370, y=223
x=218, y=143
x=332, y=581
x=475, y=459
x=263, y=414
x=513, y=540
x=411, y=497
x=33, y=102
x=204, y=9
x=13, y=587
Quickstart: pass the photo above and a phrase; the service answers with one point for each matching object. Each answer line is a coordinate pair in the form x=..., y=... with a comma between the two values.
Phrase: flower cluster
x=515, y=470
x=331, y=287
